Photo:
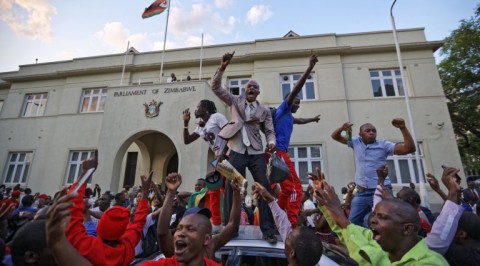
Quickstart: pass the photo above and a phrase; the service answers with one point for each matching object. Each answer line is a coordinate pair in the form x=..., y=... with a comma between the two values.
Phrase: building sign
x=154, y=91
x=179, y=89
x=129, y=93
x=152, y=109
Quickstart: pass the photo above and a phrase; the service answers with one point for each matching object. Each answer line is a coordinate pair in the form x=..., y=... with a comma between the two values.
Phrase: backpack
x=149, y=241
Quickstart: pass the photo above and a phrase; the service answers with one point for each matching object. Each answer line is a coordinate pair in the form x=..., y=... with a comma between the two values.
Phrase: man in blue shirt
x=290, y=197
x=370, y=154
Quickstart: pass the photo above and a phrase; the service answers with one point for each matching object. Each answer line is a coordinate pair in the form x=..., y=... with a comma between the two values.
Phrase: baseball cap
x=204, y=211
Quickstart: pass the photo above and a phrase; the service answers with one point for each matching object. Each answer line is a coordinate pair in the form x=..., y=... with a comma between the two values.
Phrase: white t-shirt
x=248, y=201
x=210, y=131
x=309, y=205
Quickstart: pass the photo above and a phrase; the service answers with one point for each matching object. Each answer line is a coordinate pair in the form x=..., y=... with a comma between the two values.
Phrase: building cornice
x=247, y=52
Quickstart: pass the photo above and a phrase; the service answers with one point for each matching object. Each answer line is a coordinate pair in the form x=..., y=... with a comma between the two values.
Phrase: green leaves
x=460, y=74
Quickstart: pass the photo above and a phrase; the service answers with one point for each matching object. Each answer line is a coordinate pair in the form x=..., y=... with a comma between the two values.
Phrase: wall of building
x=342, y=87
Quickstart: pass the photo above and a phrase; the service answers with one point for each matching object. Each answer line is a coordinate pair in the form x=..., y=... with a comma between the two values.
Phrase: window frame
x=291, y=83
x=241, y=84
x=102, y=94
x=394, y=76
x=308, y=159
x=76, y=164
x=412, y=167
x=25, y=165
x=29, y=104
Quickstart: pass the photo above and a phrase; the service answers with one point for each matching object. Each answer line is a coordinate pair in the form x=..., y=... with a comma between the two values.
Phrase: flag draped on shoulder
x=155, y=8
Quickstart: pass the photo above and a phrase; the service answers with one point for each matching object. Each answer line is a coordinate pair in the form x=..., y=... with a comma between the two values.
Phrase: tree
x=460, y=74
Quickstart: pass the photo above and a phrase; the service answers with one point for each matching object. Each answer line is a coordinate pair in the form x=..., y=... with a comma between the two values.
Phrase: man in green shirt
x=392, y=238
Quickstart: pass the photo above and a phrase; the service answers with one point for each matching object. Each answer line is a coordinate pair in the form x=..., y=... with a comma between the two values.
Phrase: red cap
x=42, y=196
x=113, y=223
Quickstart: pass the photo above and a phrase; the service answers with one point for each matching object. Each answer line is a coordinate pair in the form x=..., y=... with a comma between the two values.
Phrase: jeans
x=361, y=207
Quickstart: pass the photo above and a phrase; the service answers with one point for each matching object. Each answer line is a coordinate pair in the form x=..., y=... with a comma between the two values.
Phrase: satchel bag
x=277, y=169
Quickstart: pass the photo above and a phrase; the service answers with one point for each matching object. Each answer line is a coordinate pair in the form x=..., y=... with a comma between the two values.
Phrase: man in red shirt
x=193, y=235
x=117, y=238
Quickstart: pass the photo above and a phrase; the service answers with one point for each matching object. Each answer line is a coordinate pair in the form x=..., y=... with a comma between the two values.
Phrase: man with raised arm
x=302, y=246
x=392, y=238
x=370, y=154
x=248, y=117
x=290, y=198
x=169, y=247
x=208, y=128
x=117, y=238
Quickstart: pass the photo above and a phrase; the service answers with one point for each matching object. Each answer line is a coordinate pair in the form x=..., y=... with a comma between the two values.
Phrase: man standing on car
x=208, y=128
x=248, y=116
x=290, y=198
x=370, y=154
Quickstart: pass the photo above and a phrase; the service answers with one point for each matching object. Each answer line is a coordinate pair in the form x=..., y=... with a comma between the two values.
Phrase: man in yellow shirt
x=392, y=238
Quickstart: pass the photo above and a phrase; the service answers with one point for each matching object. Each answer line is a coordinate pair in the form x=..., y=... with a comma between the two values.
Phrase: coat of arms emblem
x=152, y=108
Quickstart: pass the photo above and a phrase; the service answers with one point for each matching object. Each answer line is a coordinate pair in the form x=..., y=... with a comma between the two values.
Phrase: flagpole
x=421, y=180
x=201, y=60
x=124, y=63
x=164, y=41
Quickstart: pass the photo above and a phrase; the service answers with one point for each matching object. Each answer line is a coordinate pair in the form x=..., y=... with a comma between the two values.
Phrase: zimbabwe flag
x=155, y=8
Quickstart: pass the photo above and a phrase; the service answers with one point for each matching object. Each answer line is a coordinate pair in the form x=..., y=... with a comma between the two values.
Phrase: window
x=288, y=81
x=34, y=105
x=17, y=168
x=237, y=86
x=305, y=159
x=402, y=169
x=93, y=100
x=387, y=83
x=75, y=164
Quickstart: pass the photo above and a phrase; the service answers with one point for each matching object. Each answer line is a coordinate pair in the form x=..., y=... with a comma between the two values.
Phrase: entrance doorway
x=130, y=169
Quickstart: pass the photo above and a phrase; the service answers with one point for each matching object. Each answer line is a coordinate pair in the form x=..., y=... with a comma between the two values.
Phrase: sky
x=55, y=30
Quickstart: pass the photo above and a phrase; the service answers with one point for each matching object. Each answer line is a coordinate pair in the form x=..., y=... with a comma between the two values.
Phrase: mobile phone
x=444, y=166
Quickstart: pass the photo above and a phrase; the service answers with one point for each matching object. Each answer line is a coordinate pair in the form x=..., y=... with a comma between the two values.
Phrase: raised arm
x=76, y=232
x=298, y=87
x=337, y=133
x=187, y=137
x=381, y=192
x=55, y=227
x=233, y=222
x=134, y=230
x=217, y=89
x=281, y=220
x=408, y=145
x=302, y=121
x=164, y=237
x=435, y=186
x=445, y=226
x=328, y=199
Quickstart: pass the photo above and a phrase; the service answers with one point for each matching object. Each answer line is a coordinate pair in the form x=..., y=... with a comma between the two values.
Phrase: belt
x=360, y=188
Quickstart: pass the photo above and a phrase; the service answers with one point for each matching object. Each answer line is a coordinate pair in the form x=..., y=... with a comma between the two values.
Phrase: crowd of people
x=370, y=224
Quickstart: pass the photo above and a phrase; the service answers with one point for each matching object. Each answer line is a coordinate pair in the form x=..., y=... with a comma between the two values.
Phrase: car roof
x=252, y=236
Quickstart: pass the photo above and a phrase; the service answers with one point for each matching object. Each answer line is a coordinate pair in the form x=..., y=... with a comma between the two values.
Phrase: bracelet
x=185, y=127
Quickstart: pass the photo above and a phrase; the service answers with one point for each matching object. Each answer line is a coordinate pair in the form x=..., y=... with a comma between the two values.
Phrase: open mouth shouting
x=180, y=247
x=376, y=234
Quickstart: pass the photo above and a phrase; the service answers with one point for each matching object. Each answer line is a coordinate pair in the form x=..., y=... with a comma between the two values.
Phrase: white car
x=249, y=249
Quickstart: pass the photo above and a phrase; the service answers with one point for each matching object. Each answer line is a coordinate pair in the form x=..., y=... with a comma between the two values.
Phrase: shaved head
x=405, y=212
